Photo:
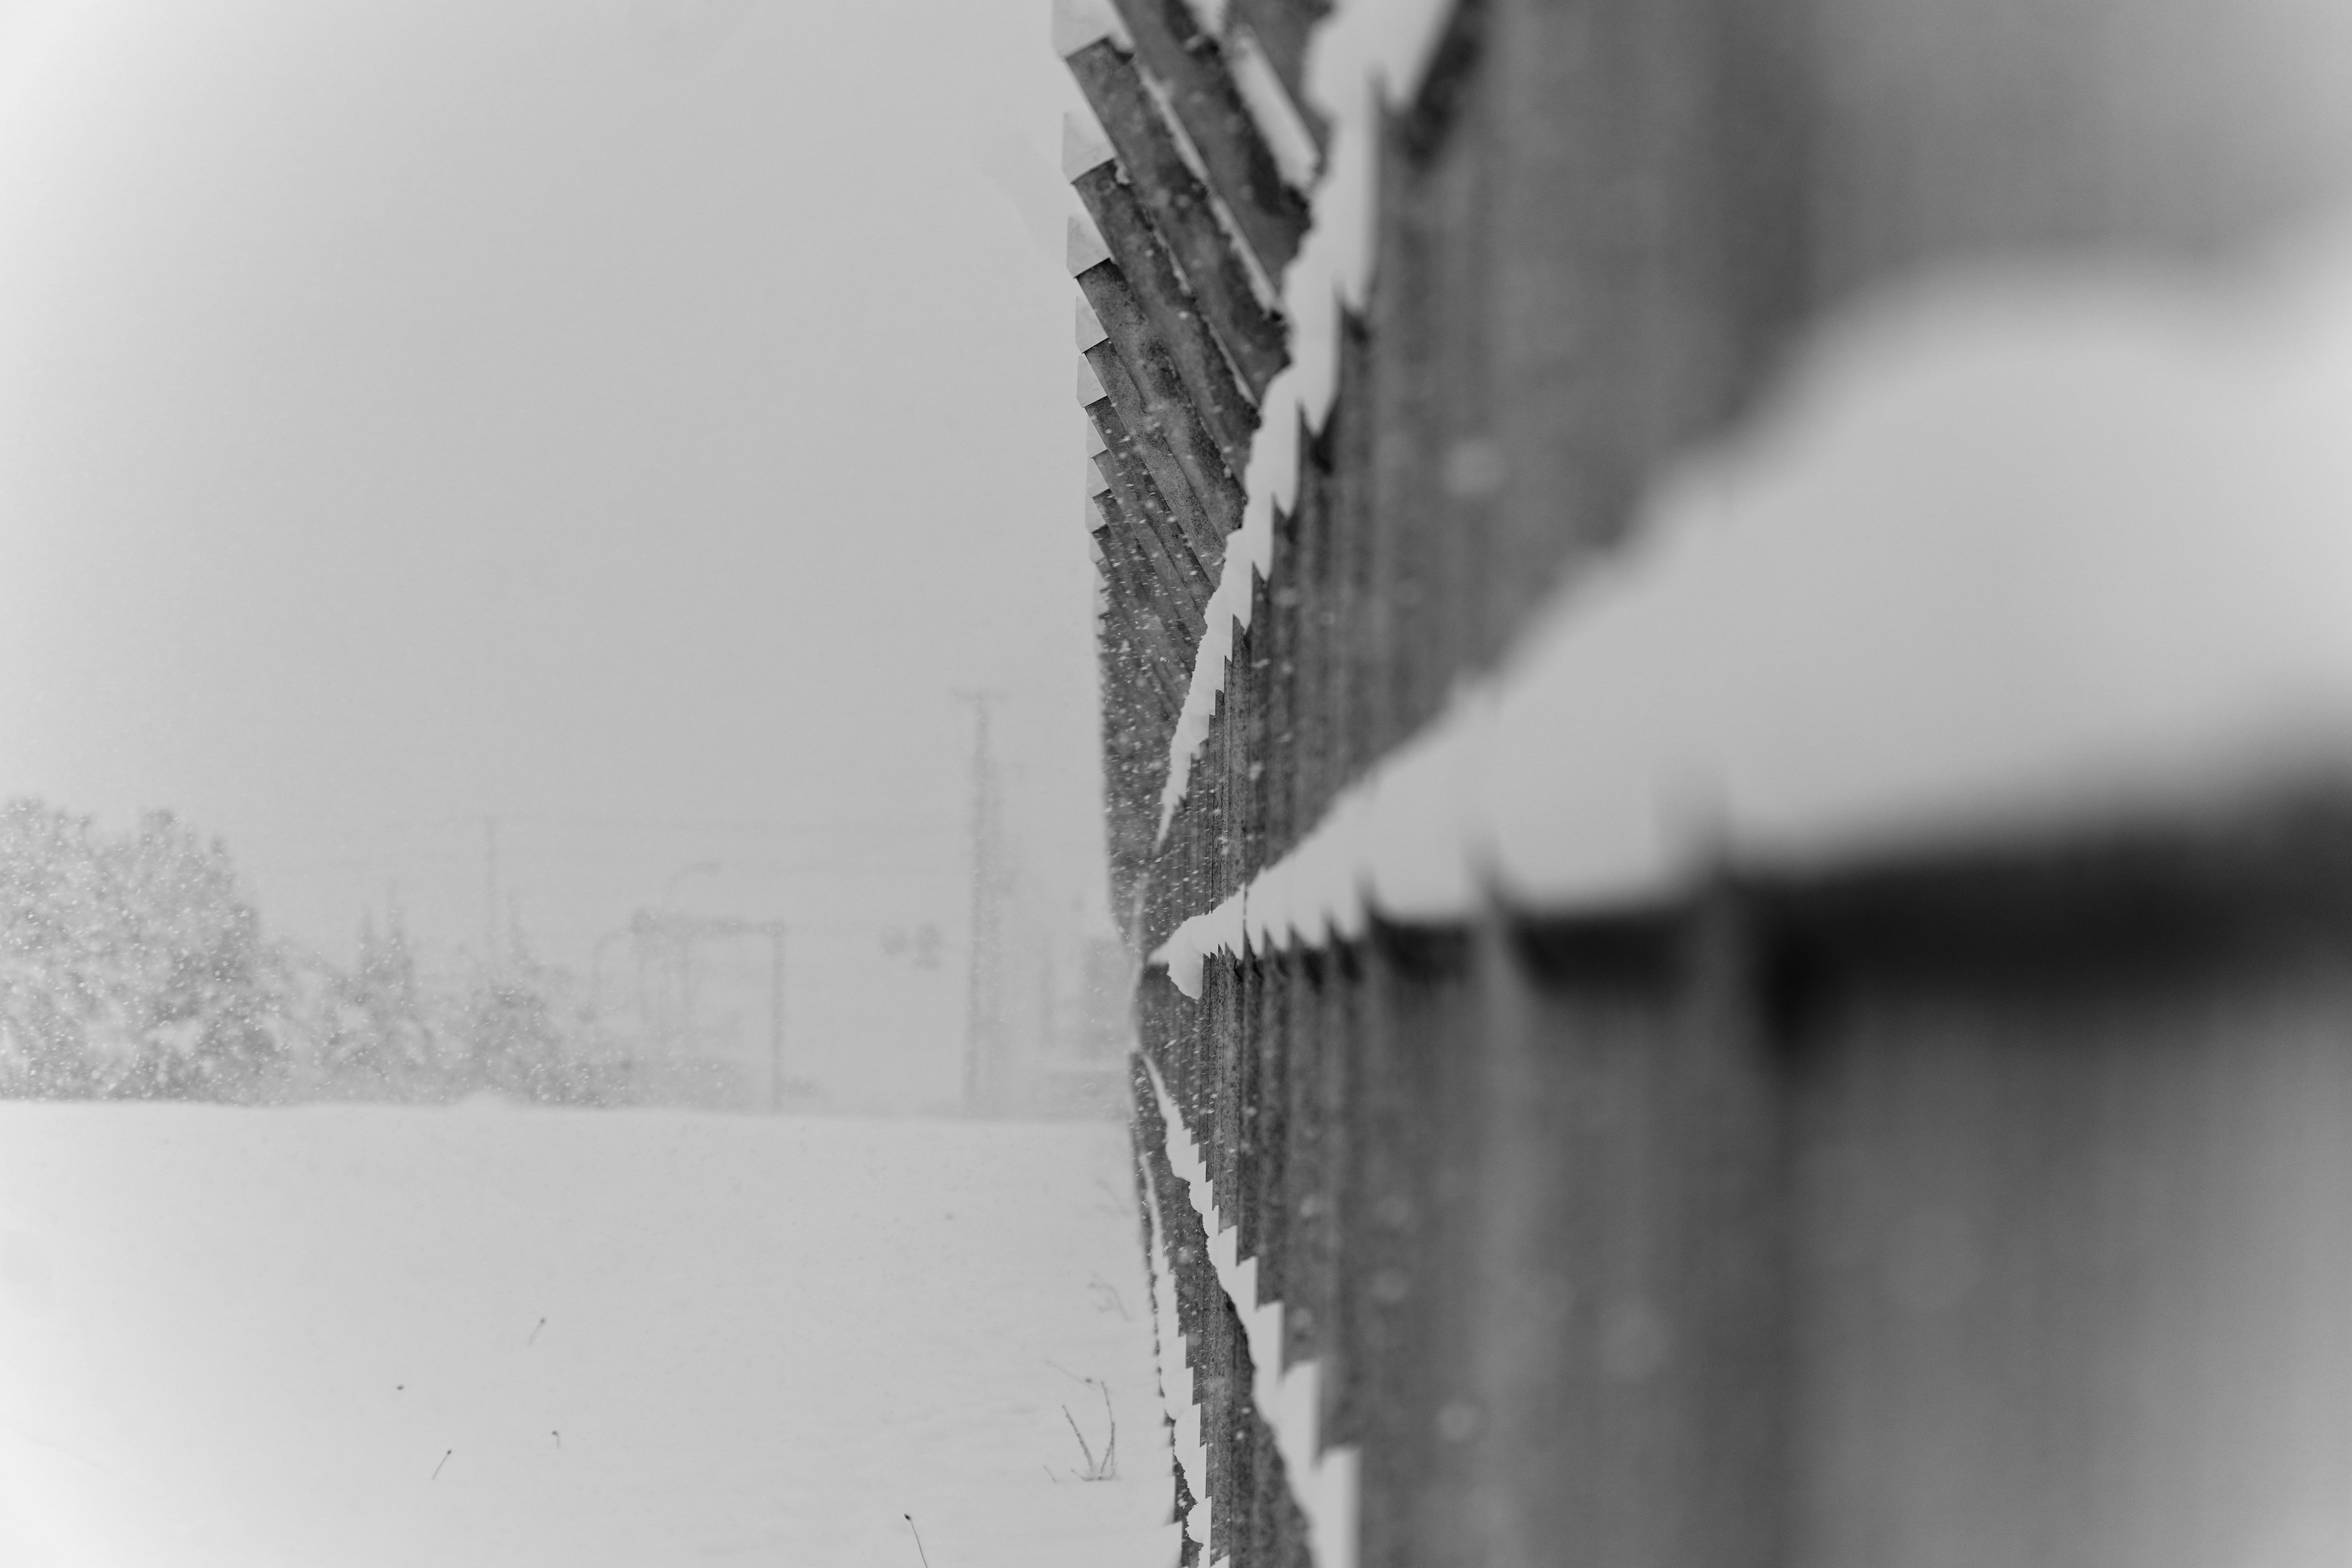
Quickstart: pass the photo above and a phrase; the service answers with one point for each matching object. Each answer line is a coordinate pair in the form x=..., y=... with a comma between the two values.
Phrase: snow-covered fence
x=1726, y=665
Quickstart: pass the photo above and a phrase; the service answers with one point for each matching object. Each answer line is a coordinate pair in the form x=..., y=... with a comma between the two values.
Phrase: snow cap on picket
x=1077, y=23
x=1084, y=248
x=1083, y=146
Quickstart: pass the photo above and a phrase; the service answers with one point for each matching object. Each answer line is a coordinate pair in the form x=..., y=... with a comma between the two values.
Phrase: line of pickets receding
x=1193, y=224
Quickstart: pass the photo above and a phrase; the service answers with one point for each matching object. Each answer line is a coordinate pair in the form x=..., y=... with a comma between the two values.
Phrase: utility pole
x=983, y=997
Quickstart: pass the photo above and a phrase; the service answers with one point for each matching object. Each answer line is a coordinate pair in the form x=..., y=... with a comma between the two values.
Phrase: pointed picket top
x=1095, y=483
x=1090, y=386
x=1089, y=325
x=1086, y=249
x=1083, y=145
x=1095, y=445
x=1077, y=23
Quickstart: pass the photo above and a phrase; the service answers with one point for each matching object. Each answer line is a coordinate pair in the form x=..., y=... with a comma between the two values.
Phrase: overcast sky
x=635, y=419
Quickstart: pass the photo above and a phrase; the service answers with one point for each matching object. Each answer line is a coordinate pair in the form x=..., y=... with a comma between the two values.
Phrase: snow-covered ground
x=237, y=1337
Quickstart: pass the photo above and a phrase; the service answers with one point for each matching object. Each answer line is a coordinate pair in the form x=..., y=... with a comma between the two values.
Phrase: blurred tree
x=135, y=968
x=131, y=967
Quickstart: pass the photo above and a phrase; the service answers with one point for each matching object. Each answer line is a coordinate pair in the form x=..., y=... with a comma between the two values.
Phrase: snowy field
x=248, y=1338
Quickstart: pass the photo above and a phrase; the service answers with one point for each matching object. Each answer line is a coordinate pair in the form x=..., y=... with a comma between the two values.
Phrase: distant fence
x=1965, y=1195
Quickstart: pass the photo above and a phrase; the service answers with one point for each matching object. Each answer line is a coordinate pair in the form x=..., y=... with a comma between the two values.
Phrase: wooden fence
x=1966, y=1201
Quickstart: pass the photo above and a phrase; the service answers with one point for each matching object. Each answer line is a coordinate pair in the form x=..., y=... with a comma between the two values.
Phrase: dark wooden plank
x=1163, y=670
x=1255, y=663
x=1143, y=610
x=1249, y=1059
x=1339, y=1286
x=1170, y=901
x=1214, y=268
x=1632, y=1158
x=1191, y=69
x=1149, y=272
x=1426, y=543
x=2070, y=1255
x=1171, y=417
x=1135, y=624
x=1222, y=1000
x=1133, y=771
x=1151, y=527
x=1127, y=836
x=1232, y=726
x=1286, y=610
x=1271, y=1128
x=1303, y=1201
x=1148, y=443
x=1316, y=712
x=1411, y=999
x=1357, y=653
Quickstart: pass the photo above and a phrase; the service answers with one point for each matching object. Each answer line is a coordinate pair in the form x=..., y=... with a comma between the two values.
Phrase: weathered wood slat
x=1191, y=69
x=1139, y=602
x=1125, y=767
x=1217, y=274
x=1339, y=1276
x=1310, y=576
x=1125, y=617
x=1150, y=445
x=1175, y=583
x=1168, y=415
x=1300, y=1127
x=1286, y=607
x=1149, y=273
x=1254, y=654
x=1151, y=524
x=1144, y=634
x=1356, y=650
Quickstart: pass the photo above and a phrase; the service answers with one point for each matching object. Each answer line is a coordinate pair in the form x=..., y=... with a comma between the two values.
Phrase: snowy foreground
x=248, y=1337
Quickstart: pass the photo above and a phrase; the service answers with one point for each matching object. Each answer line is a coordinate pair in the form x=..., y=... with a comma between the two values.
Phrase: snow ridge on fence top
x=1277, y=119
x=1366, y=52
x=1289, y=1399
x=2018, y=550
x=1178, y=1396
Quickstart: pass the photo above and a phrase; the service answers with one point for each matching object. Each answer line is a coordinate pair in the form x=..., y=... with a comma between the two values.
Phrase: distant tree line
x=134, y=967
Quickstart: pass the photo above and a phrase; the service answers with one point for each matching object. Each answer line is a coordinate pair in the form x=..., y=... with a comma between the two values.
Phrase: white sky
x=620, y=416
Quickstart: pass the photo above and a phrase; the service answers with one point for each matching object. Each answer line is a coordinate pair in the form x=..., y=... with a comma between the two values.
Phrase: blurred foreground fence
x=1740, y=869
